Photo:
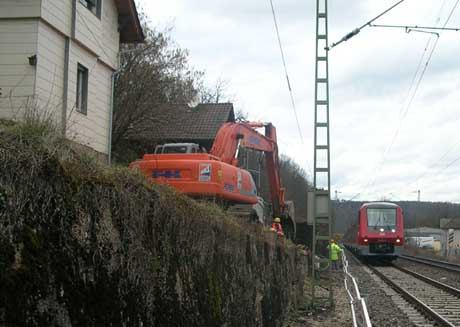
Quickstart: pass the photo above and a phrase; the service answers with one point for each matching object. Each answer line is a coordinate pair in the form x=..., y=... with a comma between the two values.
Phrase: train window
x=381, y=218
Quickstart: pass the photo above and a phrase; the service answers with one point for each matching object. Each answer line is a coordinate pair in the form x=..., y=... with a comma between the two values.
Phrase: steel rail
x=423, y=307
x=359, y=312
x=432, y=262
x=452, y=290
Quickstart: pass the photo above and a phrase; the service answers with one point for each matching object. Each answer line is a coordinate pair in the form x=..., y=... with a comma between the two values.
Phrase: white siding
x=110, y=34
x=50, y=70
x=19, y=8
x=58, y=13
x=43, y=85
x=18, y=41
x=99, y=35
x=91, y=129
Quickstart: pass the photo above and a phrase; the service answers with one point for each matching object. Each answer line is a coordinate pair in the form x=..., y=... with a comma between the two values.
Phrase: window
x=175, y=149
x=82, y=89
x=93, y=5
x=381, y=219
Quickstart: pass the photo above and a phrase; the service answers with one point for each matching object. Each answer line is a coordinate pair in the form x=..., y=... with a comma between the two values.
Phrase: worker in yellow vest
x=334, y=251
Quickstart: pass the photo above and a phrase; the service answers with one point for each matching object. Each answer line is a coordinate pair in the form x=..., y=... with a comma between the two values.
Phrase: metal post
x=322, y=227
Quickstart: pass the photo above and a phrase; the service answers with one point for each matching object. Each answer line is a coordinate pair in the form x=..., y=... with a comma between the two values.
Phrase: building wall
x=457, y=237
x=58, y=13
x=49, y=86
x=18, y=41
x=91, y=129
x=19, y=8
x=99, y=35
x=41, y=27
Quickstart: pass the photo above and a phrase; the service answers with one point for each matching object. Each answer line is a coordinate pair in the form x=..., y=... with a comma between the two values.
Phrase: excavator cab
x=171, y=148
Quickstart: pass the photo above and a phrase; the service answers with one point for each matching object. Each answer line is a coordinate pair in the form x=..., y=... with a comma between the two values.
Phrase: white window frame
x=95, y=6
x=81, y=102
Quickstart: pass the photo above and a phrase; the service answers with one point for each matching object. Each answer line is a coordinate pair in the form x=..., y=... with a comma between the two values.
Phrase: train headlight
x=393, y=230
x=366, y=240
x=398, y=240
x=382, y=230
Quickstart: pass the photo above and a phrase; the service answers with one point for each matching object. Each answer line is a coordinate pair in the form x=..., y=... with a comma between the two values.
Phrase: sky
x=383, y=146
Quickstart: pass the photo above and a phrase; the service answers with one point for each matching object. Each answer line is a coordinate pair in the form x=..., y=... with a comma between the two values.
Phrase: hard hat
x=277, y=220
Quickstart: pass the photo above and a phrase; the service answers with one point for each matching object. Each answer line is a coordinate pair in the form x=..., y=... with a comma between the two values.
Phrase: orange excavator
x=216, y=175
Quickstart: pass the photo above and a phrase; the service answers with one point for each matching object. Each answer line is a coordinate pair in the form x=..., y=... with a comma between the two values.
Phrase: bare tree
x=241, y=115
x=217, y=93
x=151, y=74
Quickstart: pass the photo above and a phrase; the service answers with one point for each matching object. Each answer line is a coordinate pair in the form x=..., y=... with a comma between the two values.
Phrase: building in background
x=451, y=228
x=58, y=57
x=180, y=123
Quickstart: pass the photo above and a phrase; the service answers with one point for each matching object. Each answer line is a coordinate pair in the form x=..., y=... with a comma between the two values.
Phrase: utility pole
x=321, y=208
x=337, y=195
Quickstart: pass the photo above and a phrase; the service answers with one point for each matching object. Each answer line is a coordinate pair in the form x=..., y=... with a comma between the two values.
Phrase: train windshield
x=381, y=218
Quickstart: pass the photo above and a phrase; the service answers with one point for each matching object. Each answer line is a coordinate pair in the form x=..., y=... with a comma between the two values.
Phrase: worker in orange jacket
x=276, y=226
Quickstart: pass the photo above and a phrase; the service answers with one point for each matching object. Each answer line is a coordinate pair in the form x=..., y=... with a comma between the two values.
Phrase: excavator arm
x=232, y=136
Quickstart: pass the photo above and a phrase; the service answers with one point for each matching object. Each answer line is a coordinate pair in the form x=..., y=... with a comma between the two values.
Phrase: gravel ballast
x=382, y=310
x=436, y=273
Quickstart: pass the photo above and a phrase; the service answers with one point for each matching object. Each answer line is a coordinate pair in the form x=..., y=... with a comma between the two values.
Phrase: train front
x=381, y=230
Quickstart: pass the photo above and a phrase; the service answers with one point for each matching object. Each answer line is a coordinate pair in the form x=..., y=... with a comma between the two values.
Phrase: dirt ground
x=323, y=315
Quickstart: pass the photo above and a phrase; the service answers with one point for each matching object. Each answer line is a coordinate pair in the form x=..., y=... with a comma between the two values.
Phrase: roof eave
x=129, y=22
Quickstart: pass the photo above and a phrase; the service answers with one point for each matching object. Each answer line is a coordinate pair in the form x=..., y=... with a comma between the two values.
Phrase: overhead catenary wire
x=403, y=115
x=450, y=164
x=283, y=59
x=438, y=161
x=404, y=110
x=354, y=33
x=357, y=30
x=409, y=27
x=409, y=104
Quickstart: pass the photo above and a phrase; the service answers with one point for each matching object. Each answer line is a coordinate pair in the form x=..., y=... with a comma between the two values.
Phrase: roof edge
x=129, y=22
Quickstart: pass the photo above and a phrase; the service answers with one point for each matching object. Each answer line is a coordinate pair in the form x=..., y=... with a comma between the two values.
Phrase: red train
x=378, y=231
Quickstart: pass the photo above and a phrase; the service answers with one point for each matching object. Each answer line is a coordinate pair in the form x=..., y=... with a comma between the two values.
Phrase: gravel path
x=383, y=311
x=441, y=275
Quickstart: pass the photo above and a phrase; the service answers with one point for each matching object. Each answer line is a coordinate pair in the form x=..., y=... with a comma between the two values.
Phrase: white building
x=60, y=56
x=452, y=232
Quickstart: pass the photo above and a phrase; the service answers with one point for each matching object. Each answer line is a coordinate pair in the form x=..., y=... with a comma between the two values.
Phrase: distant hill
x=415, y=213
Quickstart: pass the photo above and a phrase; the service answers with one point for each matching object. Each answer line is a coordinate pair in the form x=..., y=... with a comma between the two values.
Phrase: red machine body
x=378, y=231
x=200, y=175
x=217, y=174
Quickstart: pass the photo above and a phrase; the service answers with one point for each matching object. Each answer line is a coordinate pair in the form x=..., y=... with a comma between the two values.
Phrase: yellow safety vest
x=334, y=250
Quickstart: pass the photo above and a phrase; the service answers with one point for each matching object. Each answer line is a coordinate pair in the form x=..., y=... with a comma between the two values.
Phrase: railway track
x=432, y=262
x=439, y=302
